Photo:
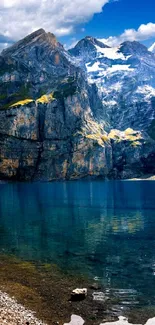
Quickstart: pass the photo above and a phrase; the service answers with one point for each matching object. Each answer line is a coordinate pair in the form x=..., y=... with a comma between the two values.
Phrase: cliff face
x=49, y=141
x=53, y=124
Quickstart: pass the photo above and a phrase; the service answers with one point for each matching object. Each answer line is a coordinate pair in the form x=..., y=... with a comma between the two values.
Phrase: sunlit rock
x=77, y=320
x=79, y=294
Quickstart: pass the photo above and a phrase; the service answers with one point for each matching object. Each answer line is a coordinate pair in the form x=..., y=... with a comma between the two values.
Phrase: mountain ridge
x=40, y=35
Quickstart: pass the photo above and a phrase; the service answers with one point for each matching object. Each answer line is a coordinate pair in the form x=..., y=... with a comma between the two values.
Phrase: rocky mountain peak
x=32, y=66
x=133, y=48
x=24, y=42
x=87, y=48
x=33, y=35
x=96, y=42
x=89, y=43
x=39, y=38
x=51, y=40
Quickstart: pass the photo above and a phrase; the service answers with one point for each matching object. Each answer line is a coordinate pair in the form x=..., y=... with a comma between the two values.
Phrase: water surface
x=105, y=230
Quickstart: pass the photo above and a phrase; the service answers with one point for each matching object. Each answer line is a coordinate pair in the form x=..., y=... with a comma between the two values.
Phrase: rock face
x=49, y=141
x=56, y=124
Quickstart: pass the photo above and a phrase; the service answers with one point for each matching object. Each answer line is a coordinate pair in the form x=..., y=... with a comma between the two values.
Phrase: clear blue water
x=101, y=229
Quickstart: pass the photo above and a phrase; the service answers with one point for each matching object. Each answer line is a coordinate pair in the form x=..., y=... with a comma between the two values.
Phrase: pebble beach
x=12, y=313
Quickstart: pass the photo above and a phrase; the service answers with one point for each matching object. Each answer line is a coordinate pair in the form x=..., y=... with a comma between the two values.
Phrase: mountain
x=125, y=77
x=84, y=112
x=37, y=59
x=86, y=49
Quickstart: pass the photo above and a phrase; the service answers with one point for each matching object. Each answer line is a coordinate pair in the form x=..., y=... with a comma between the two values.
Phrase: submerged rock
x=99, y=296
x=95, y=286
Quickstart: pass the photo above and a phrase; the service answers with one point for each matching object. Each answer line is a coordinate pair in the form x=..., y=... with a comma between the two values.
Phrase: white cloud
x=144, y=32
x=20, y=17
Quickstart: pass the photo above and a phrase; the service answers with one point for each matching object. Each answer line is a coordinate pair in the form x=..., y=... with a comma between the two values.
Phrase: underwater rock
x=99, y=296
x=95, y=286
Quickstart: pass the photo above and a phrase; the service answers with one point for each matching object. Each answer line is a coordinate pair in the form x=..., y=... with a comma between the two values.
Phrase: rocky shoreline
x=144, y=178
x=12, y=313
x=41, y=294
x=46, y=290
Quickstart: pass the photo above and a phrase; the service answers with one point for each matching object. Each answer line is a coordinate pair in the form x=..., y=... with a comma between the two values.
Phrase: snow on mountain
x=111, y=53
x=125, y=78
x=93, y=68
x=103, y=71
x=152, y=48
x=146, y=91
x=86, y=49
x=119, y=67
x=106, y=61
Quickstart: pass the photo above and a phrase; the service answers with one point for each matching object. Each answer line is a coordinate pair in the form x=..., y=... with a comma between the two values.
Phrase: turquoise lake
x=105, y=230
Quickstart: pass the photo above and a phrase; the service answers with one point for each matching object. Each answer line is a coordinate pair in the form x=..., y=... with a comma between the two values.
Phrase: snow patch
x=146, y=91
x=119, y=67
x=95, y=67
x=109, y=103
x=102, y=71
x=112, y=53
x=117, y=86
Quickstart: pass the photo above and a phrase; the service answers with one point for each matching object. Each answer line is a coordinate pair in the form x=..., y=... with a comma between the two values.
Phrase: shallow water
x=105, y=230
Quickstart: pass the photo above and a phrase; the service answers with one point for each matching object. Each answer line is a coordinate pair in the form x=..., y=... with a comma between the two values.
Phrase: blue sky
x=116, y=17
x=121, y=15
x=115, y=21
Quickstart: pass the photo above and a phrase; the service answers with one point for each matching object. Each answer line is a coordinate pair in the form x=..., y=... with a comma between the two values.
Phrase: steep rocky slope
x=66, y=115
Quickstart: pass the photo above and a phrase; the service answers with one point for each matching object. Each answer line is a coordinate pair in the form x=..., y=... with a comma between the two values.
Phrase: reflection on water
x=103, y=229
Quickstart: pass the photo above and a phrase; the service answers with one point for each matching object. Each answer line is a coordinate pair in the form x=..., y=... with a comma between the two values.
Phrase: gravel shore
x=12, y=313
